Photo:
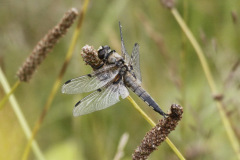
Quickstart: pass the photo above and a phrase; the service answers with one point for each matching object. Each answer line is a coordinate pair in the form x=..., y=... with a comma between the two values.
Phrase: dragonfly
x=110, y=81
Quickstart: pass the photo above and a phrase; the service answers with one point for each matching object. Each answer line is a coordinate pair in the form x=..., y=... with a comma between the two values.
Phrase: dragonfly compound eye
x=103, y=51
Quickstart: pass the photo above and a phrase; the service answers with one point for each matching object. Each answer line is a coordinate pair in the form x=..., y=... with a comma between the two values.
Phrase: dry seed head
x=168, y=3
x=90, y=56
x=45, y=45
x=158, y=133
x=218, y=97
x=234, y=17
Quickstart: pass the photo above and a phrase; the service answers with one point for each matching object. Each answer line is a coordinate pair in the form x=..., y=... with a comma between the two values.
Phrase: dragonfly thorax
x=123, y=70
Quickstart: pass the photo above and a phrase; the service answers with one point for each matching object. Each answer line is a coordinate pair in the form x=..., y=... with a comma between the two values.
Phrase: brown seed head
x=168, y=3
x=90, y=56
x=158, y=133
x=234, y=17
x=45, y=45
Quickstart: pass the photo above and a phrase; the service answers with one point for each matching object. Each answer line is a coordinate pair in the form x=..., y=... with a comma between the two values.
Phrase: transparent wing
x=124, y=51
x=90, y=82
x=101, y=99
x=135, y=63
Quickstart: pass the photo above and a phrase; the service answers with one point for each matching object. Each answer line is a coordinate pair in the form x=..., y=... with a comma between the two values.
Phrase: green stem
x=6, y=97
x=232, y=137
x=20, y=116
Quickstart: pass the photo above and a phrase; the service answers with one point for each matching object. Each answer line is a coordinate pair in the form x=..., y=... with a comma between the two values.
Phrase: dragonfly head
x=103, y=52
x=108, y=56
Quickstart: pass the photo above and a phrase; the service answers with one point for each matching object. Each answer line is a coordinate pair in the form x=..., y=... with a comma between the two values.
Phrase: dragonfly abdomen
x=138, y=90
x=148, y=99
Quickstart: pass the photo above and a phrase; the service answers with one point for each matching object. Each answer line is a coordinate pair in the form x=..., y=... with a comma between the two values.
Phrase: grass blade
x=232, y=137
x=20, y=116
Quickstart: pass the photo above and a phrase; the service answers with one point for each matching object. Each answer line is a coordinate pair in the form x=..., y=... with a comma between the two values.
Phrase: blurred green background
x=171, y=73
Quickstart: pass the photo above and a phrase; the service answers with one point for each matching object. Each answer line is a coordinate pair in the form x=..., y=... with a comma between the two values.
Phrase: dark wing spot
x=99, y=90
x=67, y=81
x=89, y=75
x=77, y=103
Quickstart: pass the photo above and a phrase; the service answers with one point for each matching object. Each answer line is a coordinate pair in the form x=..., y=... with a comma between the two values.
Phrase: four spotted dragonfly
x=110, y=81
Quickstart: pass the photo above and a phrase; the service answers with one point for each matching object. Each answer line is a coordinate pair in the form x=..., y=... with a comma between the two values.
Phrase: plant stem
x=212, y=85
x=6, y=97
x=20, y=116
